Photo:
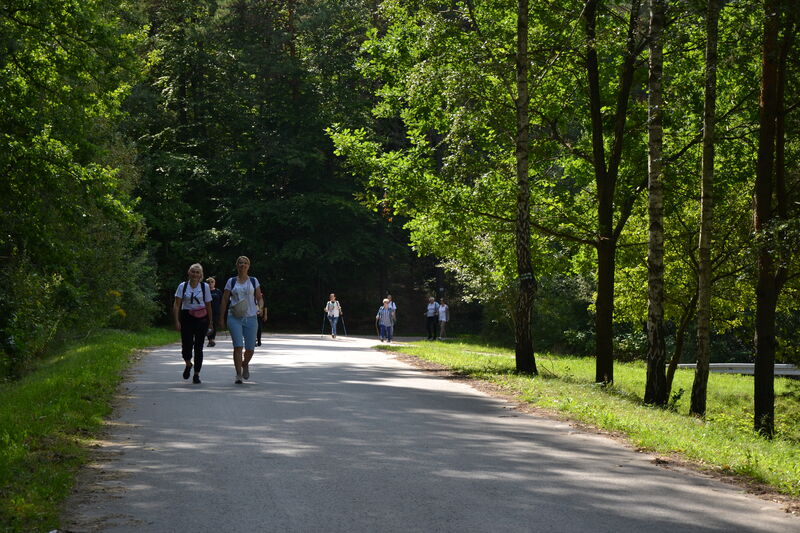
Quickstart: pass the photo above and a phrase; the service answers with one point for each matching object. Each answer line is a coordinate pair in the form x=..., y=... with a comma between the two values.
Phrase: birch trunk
x=656, y=385
x=700, y=385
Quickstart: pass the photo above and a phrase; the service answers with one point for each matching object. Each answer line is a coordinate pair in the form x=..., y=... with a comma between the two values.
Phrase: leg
x=237, y=361
x=187, y=342
x=334, y=319
x=213, y=335
x=249, y=326
x=442, y=324
x=389, y=331
x=200, y=329
x=237, y=336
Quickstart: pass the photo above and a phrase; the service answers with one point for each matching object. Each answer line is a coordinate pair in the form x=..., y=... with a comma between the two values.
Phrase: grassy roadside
x=47, y=417
x=723, y=441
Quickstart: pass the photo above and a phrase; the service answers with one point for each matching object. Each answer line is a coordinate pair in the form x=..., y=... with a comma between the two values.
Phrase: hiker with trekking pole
x=333, y=311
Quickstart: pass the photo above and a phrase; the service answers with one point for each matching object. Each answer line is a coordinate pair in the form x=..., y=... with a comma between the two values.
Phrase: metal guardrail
x=746, y=368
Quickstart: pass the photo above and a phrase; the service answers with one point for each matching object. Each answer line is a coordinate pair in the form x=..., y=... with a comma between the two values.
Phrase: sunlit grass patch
x=47, y=417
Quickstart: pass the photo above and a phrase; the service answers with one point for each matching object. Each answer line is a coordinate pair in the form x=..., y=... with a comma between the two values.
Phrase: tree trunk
x=700, y=385
x=656, y=385
x=606, y=181
x=766, y=294
x=680, y=335
x=525, y=358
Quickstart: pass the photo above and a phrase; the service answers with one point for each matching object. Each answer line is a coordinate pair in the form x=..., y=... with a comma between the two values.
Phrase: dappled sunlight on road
x=334, y=436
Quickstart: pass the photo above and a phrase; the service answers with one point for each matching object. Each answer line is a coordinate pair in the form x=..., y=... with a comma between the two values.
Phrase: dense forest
x=616, y=179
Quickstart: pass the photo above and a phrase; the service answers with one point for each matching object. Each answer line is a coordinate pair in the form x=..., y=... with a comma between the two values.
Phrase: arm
x=176, y=312
x=223, y=306
x=260, y=303
x=209, y=308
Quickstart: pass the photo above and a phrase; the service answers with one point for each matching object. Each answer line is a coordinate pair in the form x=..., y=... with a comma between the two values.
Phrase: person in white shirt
x=383, y=319
x=393, y=308
x=243, y=293
x=334, y=310
x=193, y=313
x=444, y=316
x=431, y=318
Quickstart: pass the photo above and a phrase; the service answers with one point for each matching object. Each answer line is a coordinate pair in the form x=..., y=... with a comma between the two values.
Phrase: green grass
x=48, y=417
x=724, y=440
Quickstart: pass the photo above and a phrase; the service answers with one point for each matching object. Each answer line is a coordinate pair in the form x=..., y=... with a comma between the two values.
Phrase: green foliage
x=235, y=159
x=69, y=229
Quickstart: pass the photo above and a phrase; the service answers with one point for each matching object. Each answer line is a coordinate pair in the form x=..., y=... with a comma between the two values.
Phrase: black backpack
x=232, y=283
x=202, y=288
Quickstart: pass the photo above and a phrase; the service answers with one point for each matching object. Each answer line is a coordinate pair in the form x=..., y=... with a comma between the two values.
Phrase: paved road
x=331, y=436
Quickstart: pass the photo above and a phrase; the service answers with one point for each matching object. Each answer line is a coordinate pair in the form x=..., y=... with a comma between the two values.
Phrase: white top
x=333, y=308
x=243, y=291
x=196, y=297
x=443, y=312
x=433, y=309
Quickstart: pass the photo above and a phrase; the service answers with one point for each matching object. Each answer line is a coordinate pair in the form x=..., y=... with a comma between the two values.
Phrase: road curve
x=332, y=436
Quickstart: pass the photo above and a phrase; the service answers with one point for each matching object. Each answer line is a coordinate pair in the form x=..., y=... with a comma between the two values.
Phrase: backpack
x=237, y=310
x=232, y=282
x=197, y=313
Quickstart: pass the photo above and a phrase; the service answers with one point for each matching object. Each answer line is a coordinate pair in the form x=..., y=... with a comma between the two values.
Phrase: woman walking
x=193, y=313
x=384, y=321
x=334, y=310
x=244, y=303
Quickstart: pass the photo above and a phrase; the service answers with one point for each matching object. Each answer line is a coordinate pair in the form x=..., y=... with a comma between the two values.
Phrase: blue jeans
x=386, y=332
x=243, y=331
x=333, y=320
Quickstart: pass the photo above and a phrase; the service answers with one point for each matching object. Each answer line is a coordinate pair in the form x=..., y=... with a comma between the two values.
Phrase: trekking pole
x=343, y=326
x=323, y=325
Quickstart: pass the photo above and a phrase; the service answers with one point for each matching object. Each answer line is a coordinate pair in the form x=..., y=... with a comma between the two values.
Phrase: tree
x=69, y=231
x=525, y=357
x=606, y=172
x=656, y=386
x=698, y=404
x=779, y=18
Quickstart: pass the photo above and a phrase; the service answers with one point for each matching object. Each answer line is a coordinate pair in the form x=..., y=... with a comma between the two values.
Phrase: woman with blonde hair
x=193, y=314
x=244, y=303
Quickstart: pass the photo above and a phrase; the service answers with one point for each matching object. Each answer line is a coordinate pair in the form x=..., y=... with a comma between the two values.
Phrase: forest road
x=333, y=436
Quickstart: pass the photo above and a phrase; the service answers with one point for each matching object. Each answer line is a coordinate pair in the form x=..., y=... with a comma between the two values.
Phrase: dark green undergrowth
x=49, y=415
x=724, y=440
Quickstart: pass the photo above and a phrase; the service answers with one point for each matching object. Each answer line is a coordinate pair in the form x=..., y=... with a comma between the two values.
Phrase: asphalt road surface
x=332, y=436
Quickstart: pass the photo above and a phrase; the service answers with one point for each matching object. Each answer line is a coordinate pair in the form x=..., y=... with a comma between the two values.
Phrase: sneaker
x=212, y=343
x=246, y=371
x=258, y=343
x=238, y=380
x=187, y=371
x=196, y=379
